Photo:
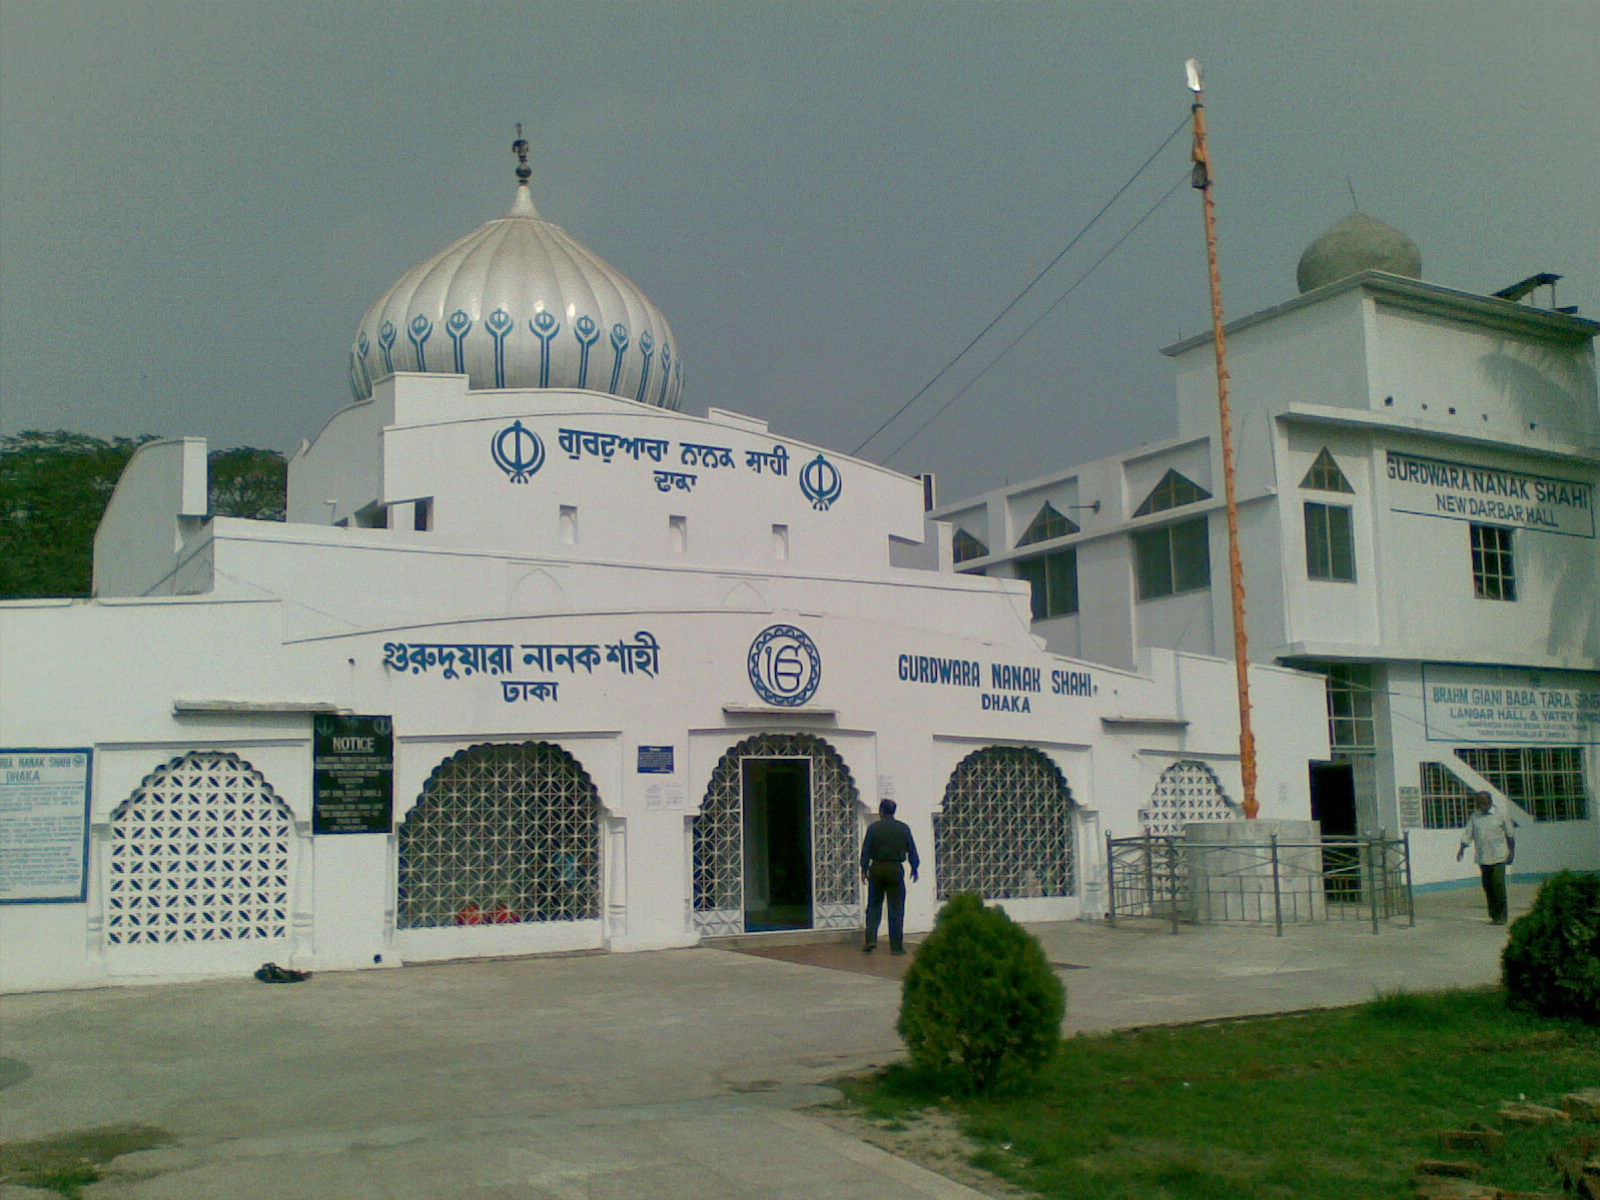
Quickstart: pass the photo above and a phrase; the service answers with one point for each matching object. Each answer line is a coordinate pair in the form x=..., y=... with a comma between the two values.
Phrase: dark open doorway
x=1333, y=798
x=777, y=843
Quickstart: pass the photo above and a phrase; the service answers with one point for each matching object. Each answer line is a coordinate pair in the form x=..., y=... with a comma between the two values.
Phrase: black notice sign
x=352, y=776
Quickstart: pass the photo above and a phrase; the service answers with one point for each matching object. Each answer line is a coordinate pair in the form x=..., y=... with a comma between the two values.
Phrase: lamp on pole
x=1202, y=180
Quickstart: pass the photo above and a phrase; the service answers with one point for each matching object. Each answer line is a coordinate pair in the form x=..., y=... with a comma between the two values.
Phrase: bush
x=980, y=1000
x=1551, y=963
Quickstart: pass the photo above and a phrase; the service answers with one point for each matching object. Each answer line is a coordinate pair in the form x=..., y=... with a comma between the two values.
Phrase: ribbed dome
x=519, y=304
x=1357, y=243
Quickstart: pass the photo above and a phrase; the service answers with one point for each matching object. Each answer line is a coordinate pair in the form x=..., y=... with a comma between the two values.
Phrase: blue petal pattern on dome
x=544, y=326
x=587, y=333
x=499, y=324
x=386, y=336
x=458, y=327
x=646, y=348
x=619, y=343
x=419, y=331
x=666, y=374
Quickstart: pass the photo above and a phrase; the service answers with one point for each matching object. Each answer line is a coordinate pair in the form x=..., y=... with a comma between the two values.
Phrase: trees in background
x=54, y=487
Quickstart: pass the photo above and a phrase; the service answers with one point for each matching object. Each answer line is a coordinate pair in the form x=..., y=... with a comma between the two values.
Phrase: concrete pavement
x=663, y=1075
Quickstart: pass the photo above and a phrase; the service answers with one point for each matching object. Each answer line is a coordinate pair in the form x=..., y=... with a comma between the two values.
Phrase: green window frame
x=1054, y=580
x=1330, y=542
x=1172, y=559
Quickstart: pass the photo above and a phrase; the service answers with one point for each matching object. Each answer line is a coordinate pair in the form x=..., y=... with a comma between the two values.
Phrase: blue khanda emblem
x=517, y=451
x=819, y=480
x=784, y=666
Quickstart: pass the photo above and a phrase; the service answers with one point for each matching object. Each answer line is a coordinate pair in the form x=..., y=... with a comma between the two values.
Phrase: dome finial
x=520, y=149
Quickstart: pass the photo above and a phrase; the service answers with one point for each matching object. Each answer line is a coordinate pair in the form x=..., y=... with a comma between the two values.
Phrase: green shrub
x=1551, y=963
x=980, y=1001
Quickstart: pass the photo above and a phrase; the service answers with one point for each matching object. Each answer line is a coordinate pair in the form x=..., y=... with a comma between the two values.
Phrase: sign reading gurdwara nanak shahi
x=1432, y=487
x=44, y=825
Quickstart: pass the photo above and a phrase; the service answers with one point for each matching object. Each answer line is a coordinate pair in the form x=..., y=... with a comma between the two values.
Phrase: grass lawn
x=1336, y=1104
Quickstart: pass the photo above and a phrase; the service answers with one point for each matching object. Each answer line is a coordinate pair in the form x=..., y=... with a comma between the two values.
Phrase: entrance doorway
x=777, y=843
x=1333, y=798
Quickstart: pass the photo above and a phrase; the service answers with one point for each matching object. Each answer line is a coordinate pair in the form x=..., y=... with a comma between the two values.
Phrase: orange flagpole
x=1241, y=652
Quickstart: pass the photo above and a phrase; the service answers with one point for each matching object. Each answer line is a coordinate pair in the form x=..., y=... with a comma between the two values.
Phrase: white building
x=539, y=663
x=1417, y=471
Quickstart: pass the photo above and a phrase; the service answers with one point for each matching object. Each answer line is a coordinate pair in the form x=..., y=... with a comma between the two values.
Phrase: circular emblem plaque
x=784, y=665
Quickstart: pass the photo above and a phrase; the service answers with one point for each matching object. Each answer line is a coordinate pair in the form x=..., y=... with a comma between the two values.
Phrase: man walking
x=1494, y=845
x=885, y=850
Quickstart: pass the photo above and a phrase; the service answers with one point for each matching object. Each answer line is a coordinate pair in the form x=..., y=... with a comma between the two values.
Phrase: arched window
x=502, y=834
x=201, y=852
x=1006, y=828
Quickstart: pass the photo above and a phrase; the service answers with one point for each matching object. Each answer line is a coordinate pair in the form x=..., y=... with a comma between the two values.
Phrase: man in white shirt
x=1494, y=845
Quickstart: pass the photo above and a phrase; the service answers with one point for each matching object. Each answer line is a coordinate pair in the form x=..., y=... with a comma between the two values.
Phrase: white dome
x=519, y=303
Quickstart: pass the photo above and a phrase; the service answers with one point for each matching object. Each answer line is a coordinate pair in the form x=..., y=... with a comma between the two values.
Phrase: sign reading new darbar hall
x=1432, y=487
x=352, y=775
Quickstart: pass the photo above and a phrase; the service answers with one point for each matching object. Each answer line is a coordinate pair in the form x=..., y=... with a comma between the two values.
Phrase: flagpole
x=1201, y=180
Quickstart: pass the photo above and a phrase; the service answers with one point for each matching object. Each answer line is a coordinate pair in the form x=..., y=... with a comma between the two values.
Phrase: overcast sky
x=198, y=201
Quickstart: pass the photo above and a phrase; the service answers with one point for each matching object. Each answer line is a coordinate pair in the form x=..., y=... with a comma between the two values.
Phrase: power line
x=1076, y=238
x=1150, y=212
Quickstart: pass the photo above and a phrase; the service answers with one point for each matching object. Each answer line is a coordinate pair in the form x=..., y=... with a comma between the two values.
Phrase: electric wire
x=1076, y=238
x=1150, y=212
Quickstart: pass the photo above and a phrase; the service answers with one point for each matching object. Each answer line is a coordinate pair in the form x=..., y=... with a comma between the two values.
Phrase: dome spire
x=522, y=206
x=520, y=149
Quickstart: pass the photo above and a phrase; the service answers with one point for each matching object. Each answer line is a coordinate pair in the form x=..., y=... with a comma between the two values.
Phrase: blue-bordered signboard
x=656, y=760
x=44, y=825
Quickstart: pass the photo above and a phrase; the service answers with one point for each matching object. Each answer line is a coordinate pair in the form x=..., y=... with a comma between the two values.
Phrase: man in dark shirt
x=885, y=850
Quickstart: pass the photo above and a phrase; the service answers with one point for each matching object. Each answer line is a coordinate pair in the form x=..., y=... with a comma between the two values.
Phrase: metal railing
x=1335, y=878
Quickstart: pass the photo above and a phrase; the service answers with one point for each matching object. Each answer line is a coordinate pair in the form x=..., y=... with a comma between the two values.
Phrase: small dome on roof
x=1357, y=243
x=520, y=303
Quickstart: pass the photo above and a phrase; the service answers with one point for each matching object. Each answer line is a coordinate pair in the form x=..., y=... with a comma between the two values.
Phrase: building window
x=1493, y=572
x=1446, y=800
x=964, y=546
x=1330, y=542
x=1005, y=830
x=1173, y=491
x=1325, y=476
x=1054, y=579
x=1547, y=781
x=1047, y=524
x=1172, y=559
x=1350, y=723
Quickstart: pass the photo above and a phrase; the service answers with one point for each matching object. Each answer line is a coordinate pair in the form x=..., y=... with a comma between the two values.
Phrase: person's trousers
x=1494, y=889
x=886, y=881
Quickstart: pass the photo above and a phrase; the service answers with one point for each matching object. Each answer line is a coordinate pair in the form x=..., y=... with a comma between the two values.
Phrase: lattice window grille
x=835, y=827
x=1447, y=801
x=200, y=852
x=1188, y=791
x=502, y=834
x=1006, y=829
x=1547, y=781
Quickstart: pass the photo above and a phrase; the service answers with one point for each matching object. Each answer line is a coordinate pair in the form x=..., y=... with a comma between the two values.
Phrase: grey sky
x=198, y=201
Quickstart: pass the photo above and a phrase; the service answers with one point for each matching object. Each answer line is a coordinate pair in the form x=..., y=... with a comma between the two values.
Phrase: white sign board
x=1509, y=707
x=1433, y=487
x=44, y=826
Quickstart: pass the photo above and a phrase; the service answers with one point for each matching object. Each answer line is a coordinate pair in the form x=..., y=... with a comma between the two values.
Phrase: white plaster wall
x=1485, y=383
x=160, y=493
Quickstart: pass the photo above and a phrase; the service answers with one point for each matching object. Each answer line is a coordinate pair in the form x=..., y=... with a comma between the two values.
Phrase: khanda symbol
x=517, y=451
x=819, y=480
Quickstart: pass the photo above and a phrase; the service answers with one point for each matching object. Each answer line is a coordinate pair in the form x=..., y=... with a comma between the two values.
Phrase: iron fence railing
x=1276, y=880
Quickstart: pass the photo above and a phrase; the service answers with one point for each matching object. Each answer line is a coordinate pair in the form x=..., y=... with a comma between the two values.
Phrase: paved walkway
x=682, y=1073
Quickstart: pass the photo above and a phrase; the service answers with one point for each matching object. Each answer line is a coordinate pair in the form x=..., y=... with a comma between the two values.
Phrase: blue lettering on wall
x=1002, y=677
